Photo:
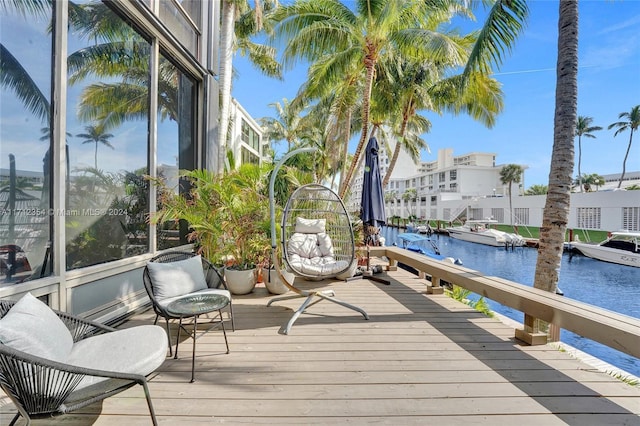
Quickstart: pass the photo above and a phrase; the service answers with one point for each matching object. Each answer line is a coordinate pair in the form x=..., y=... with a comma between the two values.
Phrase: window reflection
x=176, y=147
x=107, y=116
x=25, y=141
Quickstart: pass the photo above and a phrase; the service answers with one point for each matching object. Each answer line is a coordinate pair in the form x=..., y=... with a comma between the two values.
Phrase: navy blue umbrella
x=372, y=203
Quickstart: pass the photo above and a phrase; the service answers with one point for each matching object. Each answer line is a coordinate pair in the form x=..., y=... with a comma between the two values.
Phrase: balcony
x=420, y=359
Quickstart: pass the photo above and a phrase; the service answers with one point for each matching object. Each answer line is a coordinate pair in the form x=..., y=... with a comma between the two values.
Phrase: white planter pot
x=273, y=282
x=241, y=281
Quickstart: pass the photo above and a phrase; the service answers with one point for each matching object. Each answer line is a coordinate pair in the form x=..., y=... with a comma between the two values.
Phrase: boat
x=621, y=247
x=423, y=245
x=478, y=231
x=424, y=229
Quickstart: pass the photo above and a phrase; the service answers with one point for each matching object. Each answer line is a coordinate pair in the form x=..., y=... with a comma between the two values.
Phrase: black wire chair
x=213, y=278
x=41, y=388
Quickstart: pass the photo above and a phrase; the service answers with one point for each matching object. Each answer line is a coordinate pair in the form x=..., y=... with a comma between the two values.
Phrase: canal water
x=607, y=285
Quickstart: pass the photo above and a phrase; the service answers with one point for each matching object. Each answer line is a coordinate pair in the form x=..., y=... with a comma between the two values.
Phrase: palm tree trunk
x=396, y=153
x=556, y=210
x=226, y=41
x=510, y=203
x=624, y=162
x=365, y=126
x=95, y=157
x=345, y=148
x=579, y=161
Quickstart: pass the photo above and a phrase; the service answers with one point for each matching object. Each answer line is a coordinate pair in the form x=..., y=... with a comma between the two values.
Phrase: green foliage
x=462, y=295
x=228, y=214
x=537, y=190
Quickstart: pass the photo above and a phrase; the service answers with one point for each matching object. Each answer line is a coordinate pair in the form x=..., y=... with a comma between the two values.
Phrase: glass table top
x=197, y=304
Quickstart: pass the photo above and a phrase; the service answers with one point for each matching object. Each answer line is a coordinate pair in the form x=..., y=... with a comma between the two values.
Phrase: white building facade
x=469, y=186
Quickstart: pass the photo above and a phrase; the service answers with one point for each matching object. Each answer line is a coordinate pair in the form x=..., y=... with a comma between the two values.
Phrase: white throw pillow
x=310, y=226
x=177, y=278
x=31, y=326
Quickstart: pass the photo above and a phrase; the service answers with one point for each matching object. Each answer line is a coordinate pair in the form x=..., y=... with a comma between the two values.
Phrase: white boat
x=621, y=247
x=478, y=231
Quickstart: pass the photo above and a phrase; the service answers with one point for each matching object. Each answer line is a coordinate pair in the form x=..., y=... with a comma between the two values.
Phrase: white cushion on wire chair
x=31, y=326
x=136, y=350
x=312, y=254
x=310, y=226
x=177, y=278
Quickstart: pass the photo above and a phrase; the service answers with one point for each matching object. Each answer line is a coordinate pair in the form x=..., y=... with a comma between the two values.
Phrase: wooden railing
x=612, y=329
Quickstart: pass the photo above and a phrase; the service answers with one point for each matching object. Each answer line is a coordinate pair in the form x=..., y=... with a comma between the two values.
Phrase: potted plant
x=245, y=220
x=200, y=207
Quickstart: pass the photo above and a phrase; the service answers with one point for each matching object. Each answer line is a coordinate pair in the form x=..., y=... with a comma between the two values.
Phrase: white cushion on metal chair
x=31, y=326
x=133, y=350
x=313, y=254
x=177, y=278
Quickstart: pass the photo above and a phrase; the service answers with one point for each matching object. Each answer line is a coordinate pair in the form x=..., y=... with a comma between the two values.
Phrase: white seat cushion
x=312, y=254
x=136, y=350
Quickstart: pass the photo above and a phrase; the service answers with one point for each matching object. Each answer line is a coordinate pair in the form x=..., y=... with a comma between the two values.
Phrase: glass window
x=176, y=139
x=108, y=122
x=521, y=216
x=25, y=141
x=183, y=21
x=249, y=157
x=250, y=136
x=453, y=174
x=631, y=218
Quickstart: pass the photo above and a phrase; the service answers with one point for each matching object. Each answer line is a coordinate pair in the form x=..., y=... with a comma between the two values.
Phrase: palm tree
x=588, y=180
x=364, y=34
x=537, y=190
x=408, y=196
x=510, y=174
x=287, y=125
x=584, y=128
x=96, y=134
x=556, y=211
x=239, y=23
x=631, y=123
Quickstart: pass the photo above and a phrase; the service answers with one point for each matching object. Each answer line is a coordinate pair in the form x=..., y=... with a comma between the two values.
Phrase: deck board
x=420, y=359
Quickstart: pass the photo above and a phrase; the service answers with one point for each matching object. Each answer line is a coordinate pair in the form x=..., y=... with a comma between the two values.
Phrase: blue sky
x=608, y=83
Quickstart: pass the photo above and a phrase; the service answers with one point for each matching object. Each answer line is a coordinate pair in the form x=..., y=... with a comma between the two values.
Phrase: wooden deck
x=420, y=359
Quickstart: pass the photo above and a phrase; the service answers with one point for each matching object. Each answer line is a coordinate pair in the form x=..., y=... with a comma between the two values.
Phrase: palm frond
x=504, y=23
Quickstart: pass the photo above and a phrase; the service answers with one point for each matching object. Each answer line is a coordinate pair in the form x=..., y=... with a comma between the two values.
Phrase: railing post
x=435, y=287
x=530, y=334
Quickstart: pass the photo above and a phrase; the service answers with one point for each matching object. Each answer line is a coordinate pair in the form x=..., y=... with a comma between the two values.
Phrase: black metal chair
x=215, y=283
x=41, y=388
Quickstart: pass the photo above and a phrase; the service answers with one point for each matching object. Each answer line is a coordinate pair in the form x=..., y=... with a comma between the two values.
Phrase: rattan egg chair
x=316, y=242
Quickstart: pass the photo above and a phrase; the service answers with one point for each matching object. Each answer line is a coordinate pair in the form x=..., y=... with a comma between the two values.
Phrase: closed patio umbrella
x=372, y=202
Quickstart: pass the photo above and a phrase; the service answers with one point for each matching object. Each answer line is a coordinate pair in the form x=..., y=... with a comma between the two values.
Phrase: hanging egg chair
x=317, y=241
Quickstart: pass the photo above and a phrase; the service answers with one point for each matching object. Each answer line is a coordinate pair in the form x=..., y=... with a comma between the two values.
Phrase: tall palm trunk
x=396, y=150
x=345, y=148
x=226, y=40
x=366, y=101
x=579, y=161
x=556, y=210
x=95, y=157
x=624, y=162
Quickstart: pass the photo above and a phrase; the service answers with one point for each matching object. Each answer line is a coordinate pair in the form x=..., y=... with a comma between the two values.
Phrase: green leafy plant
x=462, y=295
x=227, y=214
